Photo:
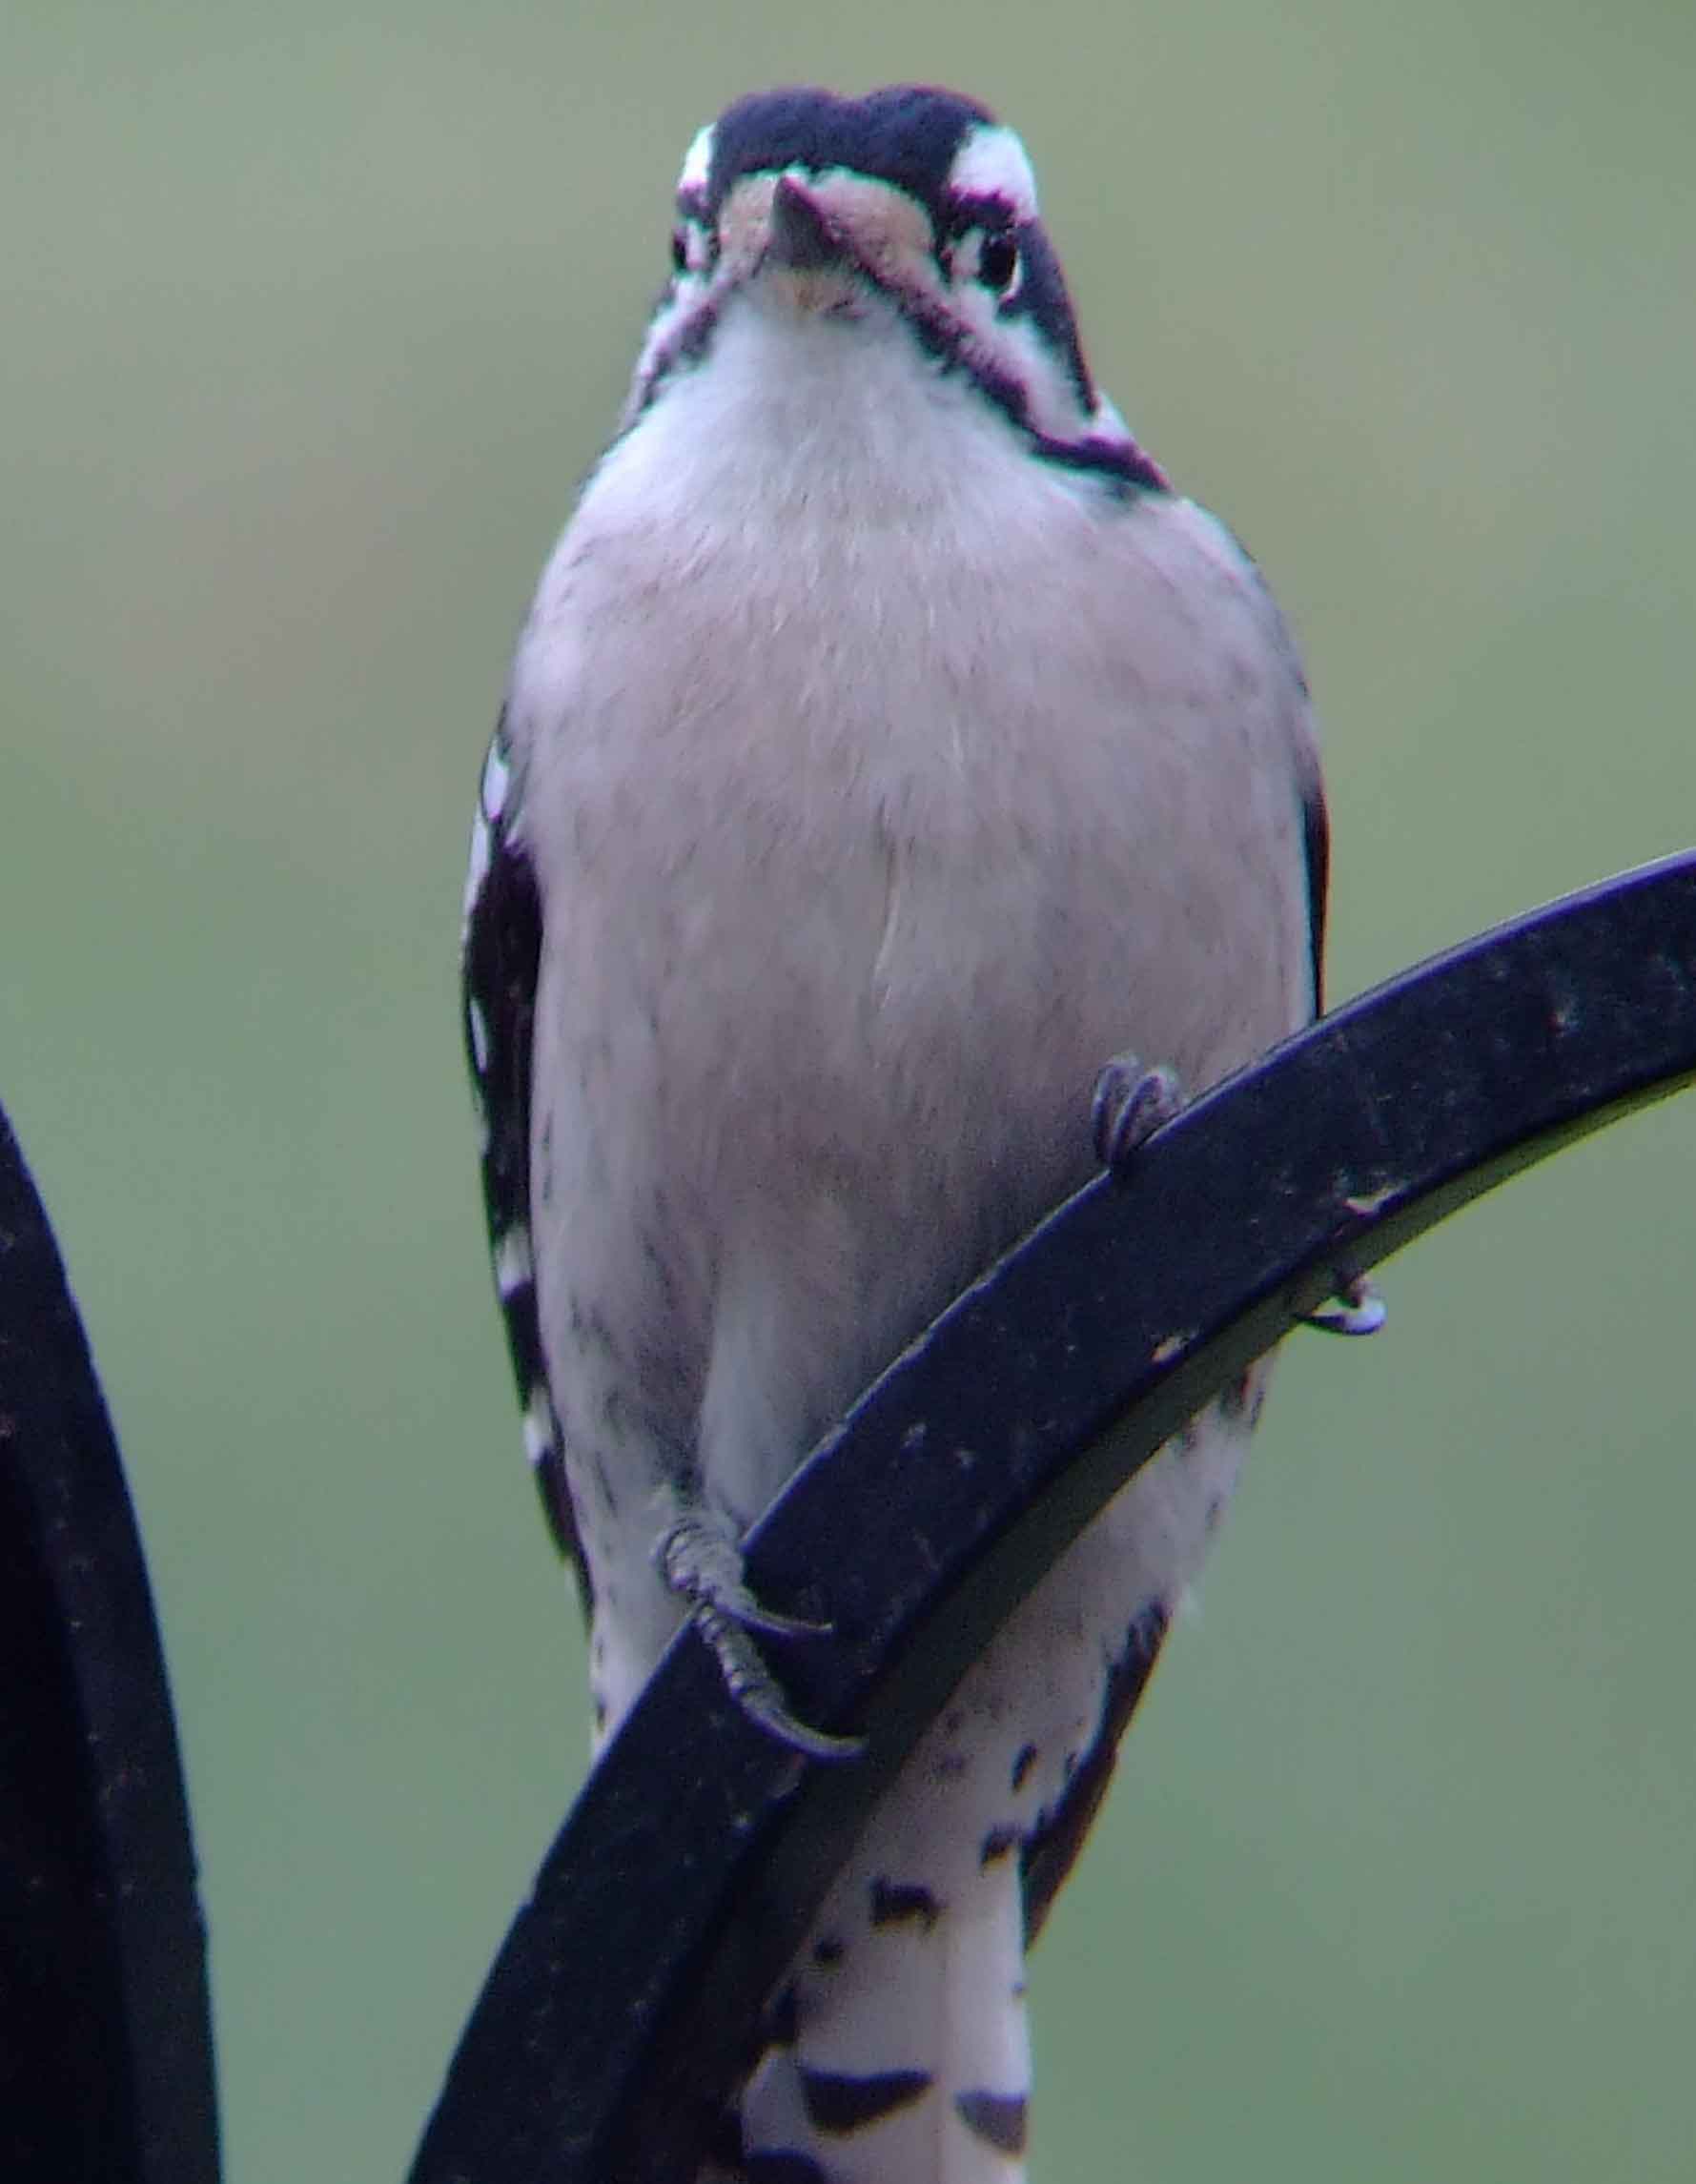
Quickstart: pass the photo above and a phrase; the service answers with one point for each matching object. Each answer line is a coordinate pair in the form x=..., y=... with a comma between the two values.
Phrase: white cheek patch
x=1054, y=406
x=992, y=163
x=1013, y=347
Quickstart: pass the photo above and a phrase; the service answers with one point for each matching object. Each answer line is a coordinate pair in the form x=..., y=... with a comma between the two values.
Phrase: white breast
x=882, y=781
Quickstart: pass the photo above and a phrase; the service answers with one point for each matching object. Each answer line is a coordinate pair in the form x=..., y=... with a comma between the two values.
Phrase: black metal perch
x=628, y=1993
x=628, y=1990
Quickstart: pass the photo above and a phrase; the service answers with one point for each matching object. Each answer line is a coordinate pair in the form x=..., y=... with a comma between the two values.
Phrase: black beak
x=802, y=236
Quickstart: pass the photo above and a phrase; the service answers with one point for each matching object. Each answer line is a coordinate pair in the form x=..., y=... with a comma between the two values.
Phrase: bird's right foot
x=1131, y=1101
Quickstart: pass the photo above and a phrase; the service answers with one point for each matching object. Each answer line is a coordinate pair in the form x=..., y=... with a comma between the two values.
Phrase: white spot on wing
x=538, y=1426
x=513, y=1264
x=992, y=163
x=479, y=1036
x=697, y=162
x=478, y=871
x=497, y=773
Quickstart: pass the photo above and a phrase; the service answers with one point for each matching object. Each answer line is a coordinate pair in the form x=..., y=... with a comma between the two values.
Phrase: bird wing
x=501, y=958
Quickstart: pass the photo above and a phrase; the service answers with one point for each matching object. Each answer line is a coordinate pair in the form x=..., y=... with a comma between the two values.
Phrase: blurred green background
x=311, y=318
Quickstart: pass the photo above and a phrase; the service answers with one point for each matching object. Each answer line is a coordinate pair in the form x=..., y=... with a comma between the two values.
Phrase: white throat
x=813, y=416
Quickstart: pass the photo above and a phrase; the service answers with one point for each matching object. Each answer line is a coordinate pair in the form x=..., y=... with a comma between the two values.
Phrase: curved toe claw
x=702, y=1564
x=1130, y=1103
x=1354, y=1308
x=757, y=1691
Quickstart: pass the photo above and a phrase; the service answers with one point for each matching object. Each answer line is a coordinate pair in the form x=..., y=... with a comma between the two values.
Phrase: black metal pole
x=106, y=2060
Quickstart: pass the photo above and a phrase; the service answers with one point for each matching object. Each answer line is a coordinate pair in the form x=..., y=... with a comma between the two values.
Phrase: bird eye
x=679, y=250
x=998, y=260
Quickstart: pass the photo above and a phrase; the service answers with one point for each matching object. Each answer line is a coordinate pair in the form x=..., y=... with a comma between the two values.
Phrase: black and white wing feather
x=502, y=953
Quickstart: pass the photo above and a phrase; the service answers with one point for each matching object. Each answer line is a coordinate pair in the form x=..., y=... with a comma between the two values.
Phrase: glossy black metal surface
x=106, y=2062
x=626, y=1993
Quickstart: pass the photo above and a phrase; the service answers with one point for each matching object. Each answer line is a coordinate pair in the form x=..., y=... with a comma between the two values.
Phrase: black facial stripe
x=1041, y=295
x=942, y=339
x=907, y=135
x=1122, y=462
x=693, y=212
x=686, y=345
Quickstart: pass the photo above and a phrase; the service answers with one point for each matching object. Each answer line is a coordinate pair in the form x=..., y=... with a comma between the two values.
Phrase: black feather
x=1315, y=843
x=907, y=134
x=1050, y=1850
x=503, y=955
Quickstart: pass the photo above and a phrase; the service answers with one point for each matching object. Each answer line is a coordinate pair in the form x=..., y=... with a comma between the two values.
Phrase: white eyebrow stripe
x=697, y=161
x=992, y=163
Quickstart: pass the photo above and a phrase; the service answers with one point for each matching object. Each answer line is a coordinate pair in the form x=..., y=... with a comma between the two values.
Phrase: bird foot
x=702, y=1565
x=1130, y=1103
x=1354, y=1308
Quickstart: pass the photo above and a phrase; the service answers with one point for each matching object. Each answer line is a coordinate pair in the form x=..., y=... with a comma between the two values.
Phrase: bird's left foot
x=702, y=1564
x=1131, y=1102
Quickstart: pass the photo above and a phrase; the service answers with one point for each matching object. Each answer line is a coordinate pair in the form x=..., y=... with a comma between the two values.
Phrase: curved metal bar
x=106, y=2059
x=626, y=1995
